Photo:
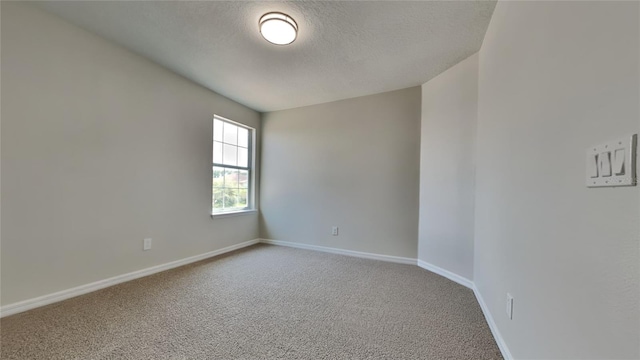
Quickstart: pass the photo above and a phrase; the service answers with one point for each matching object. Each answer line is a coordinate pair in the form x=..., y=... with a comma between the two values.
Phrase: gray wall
x=100, y=149
x=556, y=78
x=447, y=165
x=352, y=163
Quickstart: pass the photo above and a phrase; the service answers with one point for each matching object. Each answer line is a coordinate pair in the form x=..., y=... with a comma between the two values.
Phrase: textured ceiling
x=343, y=50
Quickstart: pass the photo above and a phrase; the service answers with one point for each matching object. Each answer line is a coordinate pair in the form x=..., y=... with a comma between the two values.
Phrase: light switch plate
x=610, y=177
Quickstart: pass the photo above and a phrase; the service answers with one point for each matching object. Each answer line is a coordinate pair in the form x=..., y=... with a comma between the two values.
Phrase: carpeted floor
x=263, y=302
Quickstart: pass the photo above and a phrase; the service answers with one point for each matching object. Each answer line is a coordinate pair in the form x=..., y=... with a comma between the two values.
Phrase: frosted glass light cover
x=278, y=28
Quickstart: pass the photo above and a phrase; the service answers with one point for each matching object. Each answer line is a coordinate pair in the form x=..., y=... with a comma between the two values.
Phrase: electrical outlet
x=334, y=231
x=146, y=244
x=509, y=306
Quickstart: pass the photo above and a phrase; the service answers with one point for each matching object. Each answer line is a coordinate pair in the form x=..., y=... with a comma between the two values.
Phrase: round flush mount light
x=278, y=28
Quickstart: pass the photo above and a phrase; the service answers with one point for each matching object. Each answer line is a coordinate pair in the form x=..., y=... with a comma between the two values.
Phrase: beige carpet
x=263, y=302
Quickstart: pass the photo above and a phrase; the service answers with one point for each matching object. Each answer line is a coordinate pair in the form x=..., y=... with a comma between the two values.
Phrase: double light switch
x=613, y=163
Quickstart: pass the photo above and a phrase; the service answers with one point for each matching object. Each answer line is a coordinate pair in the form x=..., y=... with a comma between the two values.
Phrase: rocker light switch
x=618, y=162
x=592, y=165
x=605, y=164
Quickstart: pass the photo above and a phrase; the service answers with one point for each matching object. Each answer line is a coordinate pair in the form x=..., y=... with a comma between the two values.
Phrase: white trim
x=388, y=258
x=502, y=345
x=446, y=273
x=222, y=215
x=222, y=118
x=101, y=284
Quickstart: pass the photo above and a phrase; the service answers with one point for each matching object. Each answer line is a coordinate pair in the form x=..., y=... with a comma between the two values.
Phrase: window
x=232, y=188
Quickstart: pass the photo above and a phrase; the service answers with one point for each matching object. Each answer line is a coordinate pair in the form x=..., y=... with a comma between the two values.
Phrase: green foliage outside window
x=230, y=188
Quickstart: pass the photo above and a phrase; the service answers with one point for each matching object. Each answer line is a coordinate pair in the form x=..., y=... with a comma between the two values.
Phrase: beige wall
x=556, y=78
x=352, y=163
x=447, y=166
x=100, y=149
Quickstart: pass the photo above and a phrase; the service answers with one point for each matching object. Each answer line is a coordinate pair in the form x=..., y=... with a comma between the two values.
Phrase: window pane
x=242, y=198
x=243, y=137
x=230, y=134
x=230, y=155
x=218, y=176
x=243, y=157
x=217, y=130
x=217, y=152
x=218, y=199
x=230, y=197
x=231, y=178
x=243, y=179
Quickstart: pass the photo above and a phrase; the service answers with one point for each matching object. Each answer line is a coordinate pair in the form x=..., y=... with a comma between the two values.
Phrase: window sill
x=233, y=213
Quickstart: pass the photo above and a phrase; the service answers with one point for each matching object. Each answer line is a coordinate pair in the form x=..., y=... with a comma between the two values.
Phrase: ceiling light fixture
x=278, y=28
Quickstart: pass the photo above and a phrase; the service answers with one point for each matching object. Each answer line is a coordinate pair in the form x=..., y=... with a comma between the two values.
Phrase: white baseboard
x=101, y=284
x=446, y=273
x=506, y=354
x=388, y=258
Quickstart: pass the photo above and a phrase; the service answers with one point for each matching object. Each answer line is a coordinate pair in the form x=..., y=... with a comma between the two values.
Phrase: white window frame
x=250, y=208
